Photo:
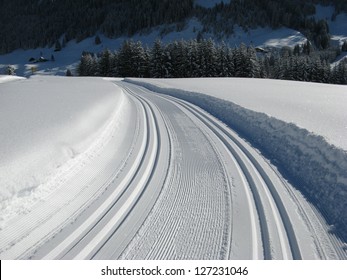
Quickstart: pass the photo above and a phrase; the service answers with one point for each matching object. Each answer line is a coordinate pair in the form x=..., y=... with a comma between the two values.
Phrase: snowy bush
x=315, y=167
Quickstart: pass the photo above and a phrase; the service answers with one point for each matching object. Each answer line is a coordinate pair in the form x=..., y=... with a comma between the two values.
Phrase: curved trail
x=277, y=225
x=181, y=185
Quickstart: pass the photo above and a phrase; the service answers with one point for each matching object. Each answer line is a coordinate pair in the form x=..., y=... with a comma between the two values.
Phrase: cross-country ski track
x=183, y=185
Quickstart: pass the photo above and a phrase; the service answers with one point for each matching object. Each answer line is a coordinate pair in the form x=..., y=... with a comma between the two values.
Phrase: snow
x=267, y=37
x=337, y=28
x=7, y=78
x=47, y=124
x=278, y=109
x=69, y=57
x=324, y=12
x=319, y=108
x=94, y=170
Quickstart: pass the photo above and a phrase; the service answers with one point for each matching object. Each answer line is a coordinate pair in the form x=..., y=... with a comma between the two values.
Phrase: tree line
x=188, y=59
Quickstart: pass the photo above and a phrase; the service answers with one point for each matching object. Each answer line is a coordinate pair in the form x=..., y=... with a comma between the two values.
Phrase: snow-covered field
x=96, y=168
x=292, y=123
x=49, y=126
x=319, y=108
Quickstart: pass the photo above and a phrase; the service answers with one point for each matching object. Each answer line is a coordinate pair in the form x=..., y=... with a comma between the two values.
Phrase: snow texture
x=316, y=167
x=7, y=78
x=46, y=124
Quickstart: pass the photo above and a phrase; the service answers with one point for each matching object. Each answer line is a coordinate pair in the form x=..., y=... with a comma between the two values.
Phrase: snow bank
x=319, y=108
x=46, y=124
x=314, y=166
x=8, y=78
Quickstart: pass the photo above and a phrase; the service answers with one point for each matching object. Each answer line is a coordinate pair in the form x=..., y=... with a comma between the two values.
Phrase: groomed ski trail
x=180, y=185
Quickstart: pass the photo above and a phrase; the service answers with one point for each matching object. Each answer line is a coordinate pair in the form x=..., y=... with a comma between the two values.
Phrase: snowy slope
x=7, y=78
x=70, y=55
x=318, y=108
x=337, y=27
x=48, y=126
x=264, y=37
x=317, y=167
x=139, y=175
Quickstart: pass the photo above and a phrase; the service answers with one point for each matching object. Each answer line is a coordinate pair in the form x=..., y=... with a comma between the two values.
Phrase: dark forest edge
x=29, y=24
x=204, y=58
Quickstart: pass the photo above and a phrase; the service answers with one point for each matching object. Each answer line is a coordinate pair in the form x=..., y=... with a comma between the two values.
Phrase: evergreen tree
x=193, y=57
x=105, y=63
x=125, y=67
x=157, y=64
x=340, y=73
x=87, y=66
x=307, y=48
x=57, y=46
x=97, y=40
x=344, y=46
x=10, y=70
x=252, y=66
x=68, y=73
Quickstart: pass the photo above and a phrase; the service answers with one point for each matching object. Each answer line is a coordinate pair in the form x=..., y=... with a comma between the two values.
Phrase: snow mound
x=8, y=78
x=48, y=126
x=318, y=108
x=316, y=167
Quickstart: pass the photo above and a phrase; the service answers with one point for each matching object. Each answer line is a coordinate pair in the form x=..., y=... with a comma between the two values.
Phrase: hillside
x=31, y=24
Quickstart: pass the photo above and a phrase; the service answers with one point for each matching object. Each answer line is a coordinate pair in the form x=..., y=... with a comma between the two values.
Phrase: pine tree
x=57, y=47
x=179, y=59
x=97, y=40
x=307, y=48
x=344, y=46
x=158, y=61
x=210, y=55
x=340, y=73
x=68, y=73
x=87, y=66
x=140, y=60
x=10, y=70
x=253, y=67
x=105, y=63
x=222, y=61
x=125, y=67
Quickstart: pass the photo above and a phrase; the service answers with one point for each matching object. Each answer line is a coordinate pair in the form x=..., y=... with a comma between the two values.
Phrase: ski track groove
x=64, y=248
x=209, y=204
x=102, y=236
x=255, y=254
x=275, y=221
x=45, y=227
x=153, y=175
x=259, y=201
x=192, y=215
x=186, y=217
